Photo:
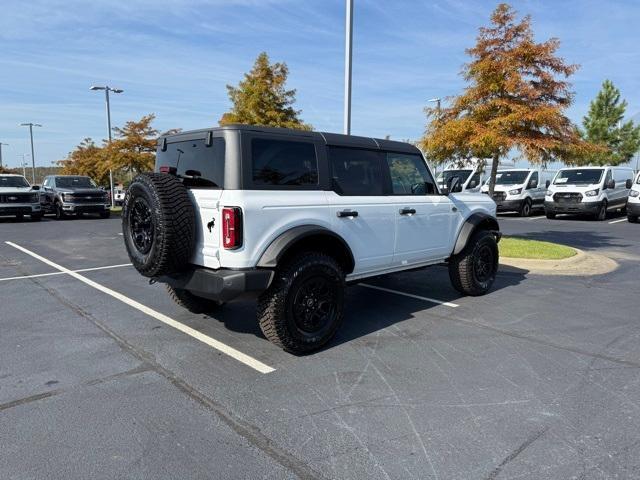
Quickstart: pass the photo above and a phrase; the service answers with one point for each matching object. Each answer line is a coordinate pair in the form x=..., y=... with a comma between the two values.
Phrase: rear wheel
x=601, y=216
x=473, y=271
x=525, y=210
x=191, y=302
x=304, y=306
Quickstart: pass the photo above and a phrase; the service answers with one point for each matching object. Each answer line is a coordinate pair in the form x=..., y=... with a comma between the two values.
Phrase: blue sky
x=174, y=58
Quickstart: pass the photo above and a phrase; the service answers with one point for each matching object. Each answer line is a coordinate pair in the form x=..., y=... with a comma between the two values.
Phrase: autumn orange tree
x=263, y=99
x=87, y=159
x=515, y=99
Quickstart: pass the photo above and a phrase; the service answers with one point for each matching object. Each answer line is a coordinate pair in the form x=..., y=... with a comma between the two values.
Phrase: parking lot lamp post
x=108, y=89
x=347, y=66
x=1, y=144
x=33, y=156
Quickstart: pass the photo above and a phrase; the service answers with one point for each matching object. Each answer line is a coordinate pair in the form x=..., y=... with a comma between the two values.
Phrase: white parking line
x=50, y=274
x=410, y=295
x=221, y=347
x=618, y=221
x=538, y=217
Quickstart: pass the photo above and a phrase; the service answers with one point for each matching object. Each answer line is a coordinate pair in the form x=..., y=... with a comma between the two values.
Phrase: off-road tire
x=632, y=218
x=550, y=216
x=463, y=274
x=275, y=305
x=167, y=242
x=191, y=302
x=525, y=210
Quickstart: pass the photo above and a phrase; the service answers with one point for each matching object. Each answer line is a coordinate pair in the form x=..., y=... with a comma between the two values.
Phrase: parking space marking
x=618, y=221
x=410, y=295
x=212, y=342
x=538, y=217
x=51, y=274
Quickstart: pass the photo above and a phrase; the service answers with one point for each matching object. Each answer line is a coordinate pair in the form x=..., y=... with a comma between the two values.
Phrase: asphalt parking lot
x=102, y=376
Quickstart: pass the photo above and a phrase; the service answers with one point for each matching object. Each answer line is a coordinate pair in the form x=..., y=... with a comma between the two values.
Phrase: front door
x=425, y=219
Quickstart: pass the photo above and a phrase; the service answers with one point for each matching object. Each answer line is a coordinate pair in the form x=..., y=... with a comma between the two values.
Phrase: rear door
x=202, y=167
x=425, y=219
x=360, y=208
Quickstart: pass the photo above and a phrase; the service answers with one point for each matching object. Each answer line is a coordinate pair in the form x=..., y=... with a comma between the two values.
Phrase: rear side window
x=355, y=171
x=200, y=165
x=281, y=162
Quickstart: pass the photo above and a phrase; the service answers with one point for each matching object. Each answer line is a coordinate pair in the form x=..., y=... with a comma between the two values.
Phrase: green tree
x=263, y=99
x=515, y=99
x=603, y=125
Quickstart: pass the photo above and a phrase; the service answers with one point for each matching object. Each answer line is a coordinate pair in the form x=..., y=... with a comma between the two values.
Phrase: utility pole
x=33, y=156
x=108, y=89
x=348, y=54
x=1, y=144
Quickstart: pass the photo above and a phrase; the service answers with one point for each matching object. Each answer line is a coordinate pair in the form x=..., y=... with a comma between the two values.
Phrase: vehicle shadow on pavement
x=368, y=310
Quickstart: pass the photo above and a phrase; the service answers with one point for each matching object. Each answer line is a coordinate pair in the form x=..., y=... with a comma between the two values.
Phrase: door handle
x=347, y=214
x=407, y=211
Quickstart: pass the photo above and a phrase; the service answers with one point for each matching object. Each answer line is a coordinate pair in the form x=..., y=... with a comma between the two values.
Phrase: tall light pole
x=108, y=89
x=437, y=101
x=33, y=156
x=1, y=144
x=348, y=53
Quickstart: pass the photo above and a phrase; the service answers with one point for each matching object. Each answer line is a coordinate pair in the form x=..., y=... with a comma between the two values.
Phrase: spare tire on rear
x=158, y=224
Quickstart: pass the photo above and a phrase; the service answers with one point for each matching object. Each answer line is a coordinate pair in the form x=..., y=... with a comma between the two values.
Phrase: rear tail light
x=231, y=227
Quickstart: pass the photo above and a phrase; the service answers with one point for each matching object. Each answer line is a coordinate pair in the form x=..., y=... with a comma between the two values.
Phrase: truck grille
x=499, y=196
x=567, y=197
x=15, y=198
x=87, y=198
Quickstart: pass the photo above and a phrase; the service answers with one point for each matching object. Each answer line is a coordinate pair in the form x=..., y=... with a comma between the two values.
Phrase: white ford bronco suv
x=295, y=216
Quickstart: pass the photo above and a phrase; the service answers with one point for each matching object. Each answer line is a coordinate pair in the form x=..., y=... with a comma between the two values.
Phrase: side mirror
x=611, y=184
x=473, y=184
x=533, y=184
x=628, y=184
x=454, y=185
x=547, y=183
x=37, y=187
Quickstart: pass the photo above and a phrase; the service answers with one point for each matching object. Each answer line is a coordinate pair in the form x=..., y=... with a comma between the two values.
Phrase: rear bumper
x=509, y=205
x=221, y=285
x=580, y=208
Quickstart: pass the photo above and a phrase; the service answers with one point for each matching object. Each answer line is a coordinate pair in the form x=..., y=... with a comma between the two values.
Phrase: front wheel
x=60, y=215
x=525, y=210
x=191, y=302
x=105, y=214
x=304, y=306
x=632, y=218
x=473, y=271
x=36, y=217
x=550, y=215
x=601, y=216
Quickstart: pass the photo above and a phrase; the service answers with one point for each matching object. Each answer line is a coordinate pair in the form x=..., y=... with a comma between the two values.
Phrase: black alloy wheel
x=313, y=308
x=142, y=225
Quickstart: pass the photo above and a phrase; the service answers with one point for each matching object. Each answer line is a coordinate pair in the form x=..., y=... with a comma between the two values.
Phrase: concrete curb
x=581, y=264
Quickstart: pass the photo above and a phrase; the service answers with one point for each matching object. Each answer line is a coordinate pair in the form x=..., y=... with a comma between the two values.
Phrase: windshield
x=444, y=177
x=638, y=180
x=12, y=182
x=511, y=177
x=74, y=182
x=579, y=176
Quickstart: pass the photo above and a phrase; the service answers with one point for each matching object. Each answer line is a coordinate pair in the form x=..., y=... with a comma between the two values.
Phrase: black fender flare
x=279, y=247
x=476, y=221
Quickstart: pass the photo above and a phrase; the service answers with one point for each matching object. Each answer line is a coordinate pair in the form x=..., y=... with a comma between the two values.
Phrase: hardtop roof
x=333, y=139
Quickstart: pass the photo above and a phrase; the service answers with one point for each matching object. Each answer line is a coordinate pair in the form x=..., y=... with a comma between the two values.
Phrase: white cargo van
x=633, y=201
x=520, y=190
x=588, y=190
x=470, y=176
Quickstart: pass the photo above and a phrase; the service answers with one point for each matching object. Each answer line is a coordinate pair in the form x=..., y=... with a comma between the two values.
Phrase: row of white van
x=577, y=190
